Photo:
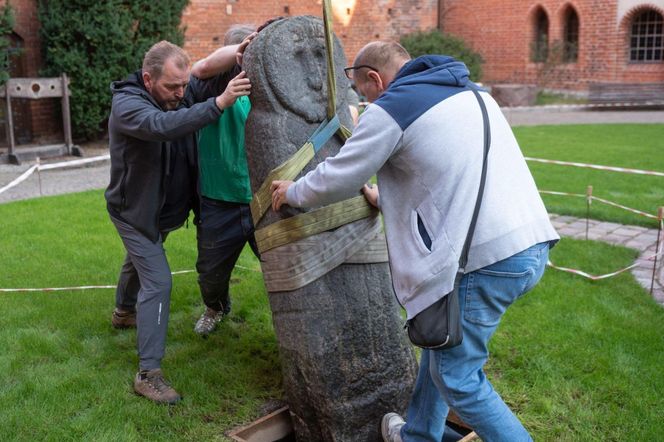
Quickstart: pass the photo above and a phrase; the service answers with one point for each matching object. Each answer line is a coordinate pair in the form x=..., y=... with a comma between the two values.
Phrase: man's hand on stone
x=279, y=189
x=371, y=194
x=238, y=87
x=240, y=49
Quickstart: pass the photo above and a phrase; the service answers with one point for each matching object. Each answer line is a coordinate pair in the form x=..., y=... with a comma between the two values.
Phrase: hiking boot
x=152, y=385
x=123, y=319
x=390, y=427
x=208, y=321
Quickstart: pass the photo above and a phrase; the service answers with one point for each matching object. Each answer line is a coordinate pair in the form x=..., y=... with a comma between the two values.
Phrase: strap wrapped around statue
x=294, y=229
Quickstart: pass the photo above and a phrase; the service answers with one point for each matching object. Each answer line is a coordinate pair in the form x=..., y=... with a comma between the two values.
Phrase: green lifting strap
x=325, y=218
x=311, y=223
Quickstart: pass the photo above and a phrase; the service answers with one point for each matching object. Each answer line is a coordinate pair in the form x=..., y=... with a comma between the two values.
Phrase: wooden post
x=660, y=217
x=66, y=117
x=10, y=121
x=39, y=176
x=589, y=200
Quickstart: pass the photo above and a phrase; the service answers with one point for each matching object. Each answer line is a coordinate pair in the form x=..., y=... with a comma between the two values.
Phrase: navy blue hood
x=432, y=69
x=421, y=84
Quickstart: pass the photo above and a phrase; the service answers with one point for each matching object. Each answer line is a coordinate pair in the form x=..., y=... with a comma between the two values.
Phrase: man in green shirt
x=225, y=224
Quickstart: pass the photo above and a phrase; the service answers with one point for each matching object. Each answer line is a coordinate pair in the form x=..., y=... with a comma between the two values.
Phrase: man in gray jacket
x=423, y=137
x=151, y=109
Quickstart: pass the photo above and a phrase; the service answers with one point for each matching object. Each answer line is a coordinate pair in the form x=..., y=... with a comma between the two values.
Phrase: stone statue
x=345, y=357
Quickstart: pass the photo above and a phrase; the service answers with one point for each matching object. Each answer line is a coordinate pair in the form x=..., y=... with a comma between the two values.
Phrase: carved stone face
x=296, y=68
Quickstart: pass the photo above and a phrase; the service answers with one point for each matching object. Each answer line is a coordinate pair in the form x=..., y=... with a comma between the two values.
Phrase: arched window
x=571, y=37
x=646, y=38
x=540, y=44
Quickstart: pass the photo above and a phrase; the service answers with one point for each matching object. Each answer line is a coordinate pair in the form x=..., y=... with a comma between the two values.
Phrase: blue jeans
x=455, y=378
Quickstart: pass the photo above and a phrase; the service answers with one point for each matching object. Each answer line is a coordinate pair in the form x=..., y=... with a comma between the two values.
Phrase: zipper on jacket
x=123, y=199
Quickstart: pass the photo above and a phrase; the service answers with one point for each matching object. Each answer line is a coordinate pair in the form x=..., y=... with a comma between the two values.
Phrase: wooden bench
x=626, y=94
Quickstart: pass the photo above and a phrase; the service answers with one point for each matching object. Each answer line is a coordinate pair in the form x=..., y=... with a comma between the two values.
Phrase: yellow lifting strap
x=325, y=218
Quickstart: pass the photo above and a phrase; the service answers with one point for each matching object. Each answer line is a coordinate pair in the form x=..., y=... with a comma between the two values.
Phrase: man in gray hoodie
x=423, y=136
x=151, y=109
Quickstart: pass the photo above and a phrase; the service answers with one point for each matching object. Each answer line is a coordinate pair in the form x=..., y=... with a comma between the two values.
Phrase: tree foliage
x=96, y=42
x=6, y=25
x=434, y=42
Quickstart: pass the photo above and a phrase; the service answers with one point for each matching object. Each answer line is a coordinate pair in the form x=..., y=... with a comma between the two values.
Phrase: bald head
x=385, y=56
x=380, y=61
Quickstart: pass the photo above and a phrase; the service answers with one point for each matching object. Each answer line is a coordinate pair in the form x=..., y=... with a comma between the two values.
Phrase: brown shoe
x=153, y=386
x=123, y=319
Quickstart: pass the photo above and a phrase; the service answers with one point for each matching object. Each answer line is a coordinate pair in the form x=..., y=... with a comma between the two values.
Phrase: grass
x=638, y=146
x=575, y=359
x=65, y=374
x=544, y=98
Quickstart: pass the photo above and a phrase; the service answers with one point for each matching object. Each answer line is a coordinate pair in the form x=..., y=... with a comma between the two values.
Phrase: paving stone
x=566, y=219
x=608, y=226
x=638, y=243
x=613, y=238
x=626, y=230
x=558, y=224
x=596, y=236
x=566, y=231
x=579, y=224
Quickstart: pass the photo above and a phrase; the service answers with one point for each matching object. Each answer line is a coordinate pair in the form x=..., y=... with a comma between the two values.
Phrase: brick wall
x=502, y=31
x=356, y=22
x=35, y=120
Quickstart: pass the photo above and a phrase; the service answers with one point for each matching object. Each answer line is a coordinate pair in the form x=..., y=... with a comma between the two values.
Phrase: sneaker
x=152, y=385
x=208, y=321
x=123, y=319
x=390, y=427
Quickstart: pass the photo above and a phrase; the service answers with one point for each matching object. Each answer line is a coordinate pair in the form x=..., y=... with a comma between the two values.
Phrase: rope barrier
x=599, y=277
x=96, y=287
x=39, y=167
x=597, y=167
x=601, y=200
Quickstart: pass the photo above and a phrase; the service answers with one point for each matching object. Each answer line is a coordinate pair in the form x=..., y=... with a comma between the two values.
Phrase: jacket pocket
x=424, y=235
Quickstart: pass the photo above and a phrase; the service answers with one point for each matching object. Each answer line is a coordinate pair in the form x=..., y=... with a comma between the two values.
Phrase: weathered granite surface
x=346, y=360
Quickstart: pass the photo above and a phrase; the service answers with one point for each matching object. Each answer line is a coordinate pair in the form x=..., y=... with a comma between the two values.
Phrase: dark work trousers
x=222, y=232
x=153, y=297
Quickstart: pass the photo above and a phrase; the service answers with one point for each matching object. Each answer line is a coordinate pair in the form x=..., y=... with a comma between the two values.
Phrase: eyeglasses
x=349, y=70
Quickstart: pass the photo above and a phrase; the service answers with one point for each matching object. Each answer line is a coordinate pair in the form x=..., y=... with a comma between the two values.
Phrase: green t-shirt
x=221, y=157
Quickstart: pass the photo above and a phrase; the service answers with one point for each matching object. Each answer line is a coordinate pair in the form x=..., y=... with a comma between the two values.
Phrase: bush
x=6, y=25
x=96, y=42
x=434, y=42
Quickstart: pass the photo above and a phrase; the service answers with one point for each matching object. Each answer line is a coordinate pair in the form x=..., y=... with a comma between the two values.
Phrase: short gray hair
x=382, y=54
x=159, y=53
x=237, y=33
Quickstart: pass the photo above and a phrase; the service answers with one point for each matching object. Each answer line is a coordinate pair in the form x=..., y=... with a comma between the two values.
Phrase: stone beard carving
x=345, y=358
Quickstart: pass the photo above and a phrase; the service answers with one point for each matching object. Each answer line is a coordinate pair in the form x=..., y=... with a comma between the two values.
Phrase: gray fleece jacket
x=424, y=139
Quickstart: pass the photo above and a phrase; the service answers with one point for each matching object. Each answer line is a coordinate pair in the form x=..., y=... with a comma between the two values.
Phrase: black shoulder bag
x=439, y=325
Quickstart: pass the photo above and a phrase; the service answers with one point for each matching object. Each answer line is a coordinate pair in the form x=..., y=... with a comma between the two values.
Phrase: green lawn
x=577, y=360
x=637, y=146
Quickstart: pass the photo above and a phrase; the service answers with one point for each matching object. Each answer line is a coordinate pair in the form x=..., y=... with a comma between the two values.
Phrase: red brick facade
x=503, y=32
x=356, y=22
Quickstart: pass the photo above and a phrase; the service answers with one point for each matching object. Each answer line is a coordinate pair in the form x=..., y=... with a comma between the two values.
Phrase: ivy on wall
x=97, y=42
x=6, y=25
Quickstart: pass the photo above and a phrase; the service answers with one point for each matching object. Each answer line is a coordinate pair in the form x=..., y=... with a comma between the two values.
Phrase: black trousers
x=222, y=232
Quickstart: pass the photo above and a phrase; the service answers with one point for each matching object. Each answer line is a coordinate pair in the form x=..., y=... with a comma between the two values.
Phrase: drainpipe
x=440, y=15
